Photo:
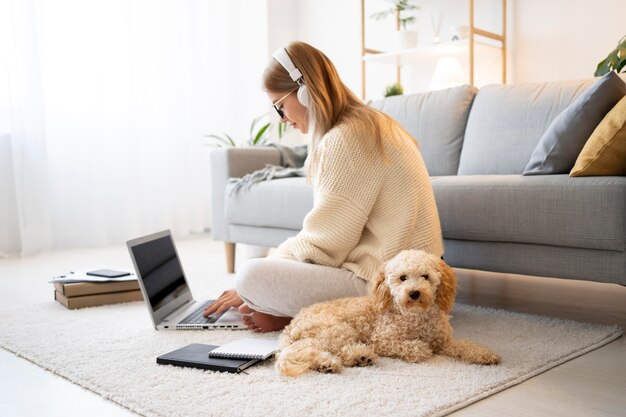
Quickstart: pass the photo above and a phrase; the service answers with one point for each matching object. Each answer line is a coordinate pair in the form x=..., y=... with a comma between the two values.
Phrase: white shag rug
x=112, y=351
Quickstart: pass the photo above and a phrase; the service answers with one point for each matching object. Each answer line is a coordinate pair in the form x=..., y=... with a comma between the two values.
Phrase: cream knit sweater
x=365, y=209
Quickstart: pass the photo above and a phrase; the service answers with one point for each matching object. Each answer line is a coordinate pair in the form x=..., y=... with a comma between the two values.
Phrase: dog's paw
x=365, y=360
x=358, y=355
x=471, y=352
x=328, y=364
x=414, y=351
x=487, y=357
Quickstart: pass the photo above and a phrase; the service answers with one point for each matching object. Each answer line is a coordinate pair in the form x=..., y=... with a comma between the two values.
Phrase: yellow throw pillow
x=604, y=152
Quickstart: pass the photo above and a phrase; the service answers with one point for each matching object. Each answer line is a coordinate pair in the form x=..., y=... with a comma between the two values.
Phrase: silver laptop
x=165, y=288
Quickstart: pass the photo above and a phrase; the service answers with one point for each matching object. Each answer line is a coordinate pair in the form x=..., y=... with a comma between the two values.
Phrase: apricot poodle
x=406, y=316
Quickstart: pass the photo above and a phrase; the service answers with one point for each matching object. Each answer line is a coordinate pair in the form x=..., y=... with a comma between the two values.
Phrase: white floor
x=592, y=385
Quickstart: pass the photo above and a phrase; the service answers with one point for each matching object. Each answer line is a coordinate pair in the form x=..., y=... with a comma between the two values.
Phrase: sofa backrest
x=437, y=121
x=507, y=121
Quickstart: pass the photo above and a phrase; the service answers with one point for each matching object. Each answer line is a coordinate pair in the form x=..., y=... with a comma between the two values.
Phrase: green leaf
x=260, y=133
x=403, y=5
x=255, y=121
x=394, y=90
x=614, y=59
x=223, y=139
x=406, y=21
x=382, y=15
x=284, y=127
x=231, y=141
x=610, y=63
x=257, y=137
x=602, y=68
x=399, y=6
x=621, y=51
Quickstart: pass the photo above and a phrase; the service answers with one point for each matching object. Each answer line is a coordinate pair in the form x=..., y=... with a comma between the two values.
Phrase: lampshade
x=448, y=73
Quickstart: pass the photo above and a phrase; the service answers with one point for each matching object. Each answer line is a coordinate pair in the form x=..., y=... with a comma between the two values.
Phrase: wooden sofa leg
x=230, y=257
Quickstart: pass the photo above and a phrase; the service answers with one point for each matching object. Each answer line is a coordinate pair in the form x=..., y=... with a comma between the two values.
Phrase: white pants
x=282, y=287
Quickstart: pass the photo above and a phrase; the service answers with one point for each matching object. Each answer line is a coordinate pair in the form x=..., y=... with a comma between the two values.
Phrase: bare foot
x=262, y=322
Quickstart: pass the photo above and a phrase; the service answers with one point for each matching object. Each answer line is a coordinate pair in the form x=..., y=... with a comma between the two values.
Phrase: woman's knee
x=249, y=277
x=255, y=284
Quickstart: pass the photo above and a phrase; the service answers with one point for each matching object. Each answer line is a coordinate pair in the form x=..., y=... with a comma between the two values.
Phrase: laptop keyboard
x=198, y=318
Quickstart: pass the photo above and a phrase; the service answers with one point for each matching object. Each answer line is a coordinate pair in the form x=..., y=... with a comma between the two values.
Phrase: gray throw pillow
x=558, y=148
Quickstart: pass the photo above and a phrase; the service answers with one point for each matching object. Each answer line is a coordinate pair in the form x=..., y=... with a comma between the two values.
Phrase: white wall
x=563, y=39
x=282, y=26
x=246, y=60
x=333, y=27
x=281, y=23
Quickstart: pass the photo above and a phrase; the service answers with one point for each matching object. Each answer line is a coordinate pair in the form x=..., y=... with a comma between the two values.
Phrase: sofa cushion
x=550, y=209
x=279, y=203
x=559, y=146
x=506, y=122
x=437, y=122
x=605, y=151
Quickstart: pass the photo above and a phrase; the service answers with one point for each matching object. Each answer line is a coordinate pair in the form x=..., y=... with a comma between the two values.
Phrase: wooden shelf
x=469, y=50
x=459, y=49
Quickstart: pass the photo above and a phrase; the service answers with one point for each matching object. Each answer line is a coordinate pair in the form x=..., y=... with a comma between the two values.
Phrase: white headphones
x=283, y=58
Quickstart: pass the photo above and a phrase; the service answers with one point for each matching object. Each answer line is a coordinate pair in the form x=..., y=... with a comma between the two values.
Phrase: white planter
x=406, y=39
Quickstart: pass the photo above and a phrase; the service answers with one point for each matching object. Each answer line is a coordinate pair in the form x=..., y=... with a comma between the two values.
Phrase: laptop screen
x=160, y=270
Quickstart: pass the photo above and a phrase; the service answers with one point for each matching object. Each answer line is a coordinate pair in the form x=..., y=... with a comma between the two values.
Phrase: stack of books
x=78, y=294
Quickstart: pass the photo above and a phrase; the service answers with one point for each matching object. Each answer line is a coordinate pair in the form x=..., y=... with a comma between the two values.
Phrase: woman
x=372, y=197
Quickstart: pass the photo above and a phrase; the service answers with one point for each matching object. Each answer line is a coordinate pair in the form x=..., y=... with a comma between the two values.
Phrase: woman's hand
x=228, y=299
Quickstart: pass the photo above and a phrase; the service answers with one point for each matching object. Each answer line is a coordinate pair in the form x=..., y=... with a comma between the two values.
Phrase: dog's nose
x=414, y=295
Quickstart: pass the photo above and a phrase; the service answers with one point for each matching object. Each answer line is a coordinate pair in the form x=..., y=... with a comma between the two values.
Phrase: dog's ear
x=380, y=292
x=446, y=291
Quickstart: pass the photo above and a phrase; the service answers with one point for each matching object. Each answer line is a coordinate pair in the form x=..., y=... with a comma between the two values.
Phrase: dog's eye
x=425, y=276
x=403, y=278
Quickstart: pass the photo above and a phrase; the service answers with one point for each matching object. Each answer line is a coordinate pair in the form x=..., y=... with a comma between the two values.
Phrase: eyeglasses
x=281, y=114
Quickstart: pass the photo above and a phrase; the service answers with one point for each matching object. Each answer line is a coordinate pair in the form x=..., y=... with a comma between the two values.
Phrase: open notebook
x=246, y=349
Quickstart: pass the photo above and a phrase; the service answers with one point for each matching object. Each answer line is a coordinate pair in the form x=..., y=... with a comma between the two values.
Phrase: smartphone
x=108, y=273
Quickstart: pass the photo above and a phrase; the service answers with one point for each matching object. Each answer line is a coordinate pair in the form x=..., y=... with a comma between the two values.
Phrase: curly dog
x=406, y=316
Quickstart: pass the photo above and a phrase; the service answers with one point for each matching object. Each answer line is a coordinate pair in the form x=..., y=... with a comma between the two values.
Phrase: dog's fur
x=406, y=316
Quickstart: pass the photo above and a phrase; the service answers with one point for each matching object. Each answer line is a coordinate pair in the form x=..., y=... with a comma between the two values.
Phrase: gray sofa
x=475, y=144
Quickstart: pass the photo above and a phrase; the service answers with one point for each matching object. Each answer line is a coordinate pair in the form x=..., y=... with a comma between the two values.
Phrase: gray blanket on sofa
x=292, y=165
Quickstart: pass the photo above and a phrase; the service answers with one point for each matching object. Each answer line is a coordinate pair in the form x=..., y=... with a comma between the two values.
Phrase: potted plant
x=402, y=9
x=616, y=60
x=394, y=90
x=260, y=130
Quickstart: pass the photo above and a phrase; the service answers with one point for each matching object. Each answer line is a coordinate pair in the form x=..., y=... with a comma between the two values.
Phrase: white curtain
x=105, y=104
x=24, y=225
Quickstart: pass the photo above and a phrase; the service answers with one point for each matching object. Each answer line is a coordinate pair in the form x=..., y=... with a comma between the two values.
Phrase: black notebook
x=196, y=355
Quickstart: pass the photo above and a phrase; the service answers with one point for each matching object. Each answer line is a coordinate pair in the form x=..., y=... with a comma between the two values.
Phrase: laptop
x=165, y=290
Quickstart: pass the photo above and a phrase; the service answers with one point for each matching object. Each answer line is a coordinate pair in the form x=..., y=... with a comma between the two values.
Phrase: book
x=81, y=276
x=74, y=289
x=97, y=299
x=260, y=349
x=196, y=355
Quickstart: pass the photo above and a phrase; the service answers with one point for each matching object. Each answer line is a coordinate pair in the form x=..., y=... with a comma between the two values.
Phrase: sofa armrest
x=233, y=163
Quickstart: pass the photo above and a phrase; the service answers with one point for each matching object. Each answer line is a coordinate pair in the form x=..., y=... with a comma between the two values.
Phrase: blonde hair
x=330, y=101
